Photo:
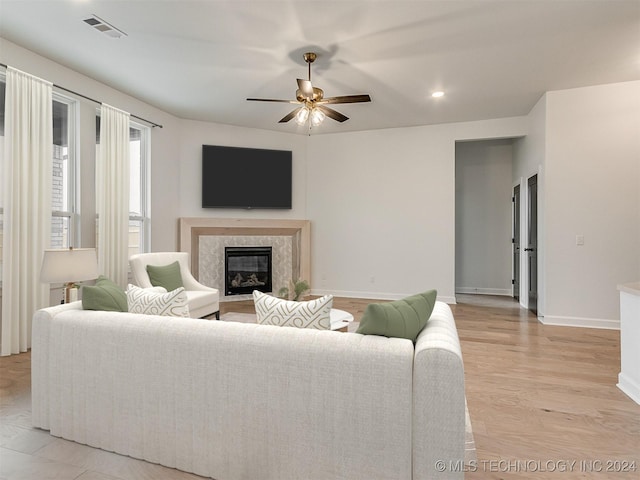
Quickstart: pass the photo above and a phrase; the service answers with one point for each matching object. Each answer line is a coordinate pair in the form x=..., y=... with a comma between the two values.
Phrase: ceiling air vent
x=104, y=27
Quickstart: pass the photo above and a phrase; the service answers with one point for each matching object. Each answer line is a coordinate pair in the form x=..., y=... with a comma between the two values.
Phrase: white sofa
x=237, y=401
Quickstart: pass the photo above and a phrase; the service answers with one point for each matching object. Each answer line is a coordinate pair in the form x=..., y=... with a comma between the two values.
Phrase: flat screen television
x=234, y=177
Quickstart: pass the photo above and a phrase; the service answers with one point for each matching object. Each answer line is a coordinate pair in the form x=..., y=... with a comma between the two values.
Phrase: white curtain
x=112, y=194
x=27, y=179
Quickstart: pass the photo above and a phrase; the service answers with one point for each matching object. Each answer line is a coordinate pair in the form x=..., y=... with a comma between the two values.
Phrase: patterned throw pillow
x=170, y=304
x=284, y=313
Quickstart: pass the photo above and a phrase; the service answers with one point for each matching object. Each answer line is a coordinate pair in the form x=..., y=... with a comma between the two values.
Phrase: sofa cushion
x=275, y=311
x=167, y=276
x=170, y=304
x=104, y=295
x=403, y=318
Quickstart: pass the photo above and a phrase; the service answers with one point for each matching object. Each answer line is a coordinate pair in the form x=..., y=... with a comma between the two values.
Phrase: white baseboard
x=629, y=387
x=580, y=322
x=485, y=291
x=375, y=295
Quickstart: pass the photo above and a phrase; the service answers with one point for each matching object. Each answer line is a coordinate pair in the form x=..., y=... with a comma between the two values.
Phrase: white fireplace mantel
x=192, y=228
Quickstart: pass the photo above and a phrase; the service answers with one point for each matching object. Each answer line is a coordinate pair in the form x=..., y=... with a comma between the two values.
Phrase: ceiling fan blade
x=290, y=115
x=305, y=87
x=271, y=100
x=347, y=99
x=331, y=113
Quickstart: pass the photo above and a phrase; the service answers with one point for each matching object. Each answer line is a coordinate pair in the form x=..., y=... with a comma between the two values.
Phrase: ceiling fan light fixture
x=312, y=104
x=437, y=94
x=317, y=117
x=302, y=115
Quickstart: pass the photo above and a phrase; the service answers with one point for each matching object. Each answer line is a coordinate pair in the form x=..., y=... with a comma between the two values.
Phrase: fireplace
x=247, y=269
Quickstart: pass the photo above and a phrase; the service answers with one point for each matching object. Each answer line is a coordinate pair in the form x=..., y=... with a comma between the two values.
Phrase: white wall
x=382, y=206
x=484, y=217
x=194, y=134
x=592, y=189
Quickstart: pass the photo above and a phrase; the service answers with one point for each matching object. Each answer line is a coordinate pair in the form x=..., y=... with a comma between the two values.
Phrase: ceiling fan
x=313, y=104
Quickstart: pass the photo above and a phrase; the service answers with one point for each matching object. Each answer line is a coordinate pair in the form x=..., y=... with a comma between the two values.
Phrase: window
x=139, y=212
x=3, y=88
x=139, y=218
x=65, y=219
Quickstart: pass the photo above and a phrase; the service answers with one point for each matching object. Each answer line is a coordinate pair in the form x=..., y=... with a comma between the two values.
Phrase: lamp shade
x=70, y=265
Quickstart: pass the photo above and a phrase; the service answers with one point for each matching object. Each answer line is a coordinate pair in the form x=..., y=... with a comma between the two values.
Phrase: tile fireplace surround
x=205, y=238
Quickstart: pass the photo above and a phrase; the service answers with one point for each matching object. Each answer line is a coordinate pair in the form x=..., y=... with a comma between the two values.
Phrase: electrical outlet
x=580, y=240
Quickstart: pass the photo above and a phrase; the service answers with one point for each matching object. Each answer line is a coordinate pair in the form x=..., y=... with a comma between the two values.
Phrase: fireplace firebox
x=247, y=269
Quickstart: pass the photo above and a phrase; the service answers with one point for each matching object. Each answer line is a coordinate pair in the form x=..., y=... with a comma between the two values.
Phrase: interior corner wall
x=484, y=216
x=592, y=185
x=382, y=207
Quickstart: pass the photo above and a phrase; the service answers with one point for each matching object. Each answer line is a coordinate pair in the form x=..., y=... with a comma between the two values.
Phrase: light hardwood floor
x=539, y=398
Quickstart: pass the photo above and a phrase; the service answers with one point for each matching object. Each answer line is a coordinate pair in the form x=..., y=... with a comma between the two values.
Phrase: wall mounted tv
x=234, y=177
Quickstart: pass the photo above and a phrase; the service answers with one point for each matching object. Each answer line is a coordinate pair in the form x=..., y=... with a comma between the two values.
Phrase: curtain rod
x=153, y=124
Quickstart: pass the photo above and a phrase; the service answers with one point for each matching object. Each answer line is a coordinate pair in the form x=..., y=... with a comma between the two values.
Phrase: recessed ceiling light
x=437, y=94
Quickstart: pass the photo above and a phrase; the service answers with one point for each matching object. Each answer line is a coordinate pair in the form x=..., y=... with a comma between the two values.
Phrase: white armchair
x=203, y=300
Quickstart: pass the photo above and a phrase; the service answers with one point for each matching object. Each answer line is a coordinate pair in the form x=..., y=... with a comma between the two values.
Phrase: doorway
x=516, y=242
x=532, y=242
x=493, y=184
x=483, y=238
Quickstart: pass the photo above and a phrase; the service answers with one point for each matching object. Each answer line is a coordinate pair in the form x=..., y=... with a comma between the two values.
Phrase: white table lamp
x=69, y=266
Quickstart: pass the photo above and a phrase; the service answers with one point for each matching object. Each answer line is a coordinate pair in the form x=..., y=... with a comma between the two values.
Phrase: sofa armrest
x=139, y=271
x=40, y=362
x=438, y=399
x=190, y=282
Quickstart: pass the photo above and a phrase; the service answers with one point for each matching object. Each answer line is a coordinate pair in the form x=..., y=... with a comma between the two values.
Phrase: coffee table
x=339, y=320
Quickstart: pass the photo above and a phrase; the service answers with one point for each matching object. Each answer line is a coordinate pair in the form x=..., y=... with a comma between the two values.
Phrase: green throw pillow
x=403, y=318
x=105, y=295
x=167, y=276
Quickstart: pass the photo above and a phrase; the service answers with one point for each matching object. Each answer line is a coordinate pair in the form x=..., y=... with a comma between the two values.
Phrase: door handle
x=529, y=249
